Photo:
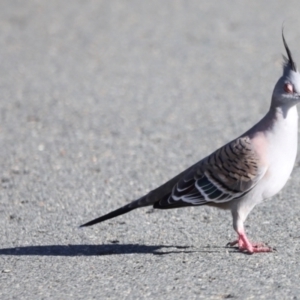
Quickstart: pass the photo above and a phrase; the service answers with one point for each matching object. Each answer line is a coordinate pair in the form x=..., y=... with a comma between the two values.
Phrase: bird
x=242, y=173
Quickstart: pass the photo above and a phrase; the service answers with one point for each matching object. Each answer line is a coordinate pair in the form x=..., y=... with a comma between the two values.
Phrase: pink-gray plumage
x=242, y=173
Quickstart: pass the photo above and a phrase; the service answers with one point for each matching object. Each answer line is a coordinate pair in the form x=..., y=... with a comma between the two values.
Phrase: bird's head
x=287, y=90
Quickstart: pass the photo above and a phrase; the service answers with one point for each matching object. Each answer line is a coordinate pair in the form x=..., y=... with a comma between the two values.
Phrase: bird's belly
x=278, y=174
x=280, y=154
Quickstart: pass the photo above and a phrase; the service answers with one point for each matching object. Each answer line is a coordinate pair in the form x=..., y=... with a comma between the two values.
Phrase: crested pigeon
x=242, y=173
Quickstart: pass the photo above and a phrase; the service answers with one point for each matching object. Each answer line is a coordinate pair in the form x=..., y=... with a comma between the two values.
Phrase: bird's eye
x=288, y=88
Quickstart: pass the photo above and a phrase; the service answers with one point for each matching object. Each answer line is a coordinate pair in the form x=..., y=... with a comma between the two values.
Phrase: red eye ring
x=288, y=88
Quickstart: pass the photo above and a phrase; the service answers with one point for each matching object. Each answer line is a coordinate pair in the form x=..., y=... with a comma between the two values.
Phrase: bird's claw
x=245, y=246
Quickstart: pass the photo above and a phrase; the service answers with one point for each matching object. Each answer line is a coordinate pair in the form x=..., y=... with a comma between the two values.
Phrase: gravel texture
x=102, y=101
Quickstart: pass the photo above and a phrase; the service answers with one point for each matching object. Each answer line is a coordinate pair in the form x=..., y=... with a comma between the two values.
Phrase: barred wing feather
x=228, y=173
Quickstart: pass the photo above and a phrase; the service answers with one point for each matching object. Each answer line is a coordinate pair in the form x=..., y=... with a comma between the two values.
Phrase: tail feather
x=149, y=199
x=143, y=201
x=120, y=211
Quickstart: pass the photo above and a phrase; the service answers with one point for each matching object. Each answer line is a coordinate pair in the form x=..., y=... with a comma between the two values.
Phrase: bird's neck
x=280, y=127
x=278, y=120
x=285, y=115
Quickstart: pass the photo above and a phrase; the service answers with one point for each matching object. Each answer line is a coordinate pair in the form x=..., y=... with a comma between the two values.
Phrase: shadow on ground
x=106, y=249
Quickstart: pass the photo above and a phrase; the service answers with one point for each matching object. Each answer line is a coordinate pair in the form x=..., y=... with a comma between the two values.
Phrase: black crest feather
x=290, y=62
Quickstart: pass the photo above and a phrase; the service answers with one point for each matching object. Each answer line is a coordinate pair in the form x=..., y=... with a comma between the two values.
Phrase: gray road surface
x=101, y=101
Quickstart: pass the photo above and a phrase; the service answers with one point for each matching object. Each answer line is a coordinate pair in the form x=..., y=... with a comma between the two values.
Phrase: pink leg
x=246, y=246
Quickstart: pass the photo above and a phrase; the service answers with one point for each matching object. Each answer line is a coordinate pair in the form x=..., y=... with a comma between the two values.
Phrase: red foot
x=246, y=246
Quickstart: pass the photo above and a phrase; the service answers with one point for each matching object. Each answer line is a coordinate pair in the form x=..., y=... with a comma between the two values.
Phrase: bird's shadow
x=105, y=249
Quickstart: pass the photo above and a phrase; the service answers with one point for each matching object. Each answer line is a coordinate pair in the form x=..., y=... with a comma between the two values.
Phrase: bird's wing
x=228, y=173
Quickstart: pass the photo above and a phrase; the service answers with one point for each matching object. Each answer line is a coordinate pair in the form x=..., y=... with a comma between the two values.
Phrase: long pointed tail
x=120, y=211
x=150, y=199
x=143, y=201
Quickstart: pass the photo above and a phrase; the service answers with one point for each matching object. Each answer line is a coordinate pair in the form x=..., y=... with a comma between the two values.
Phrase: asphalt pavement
x=102, y=101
